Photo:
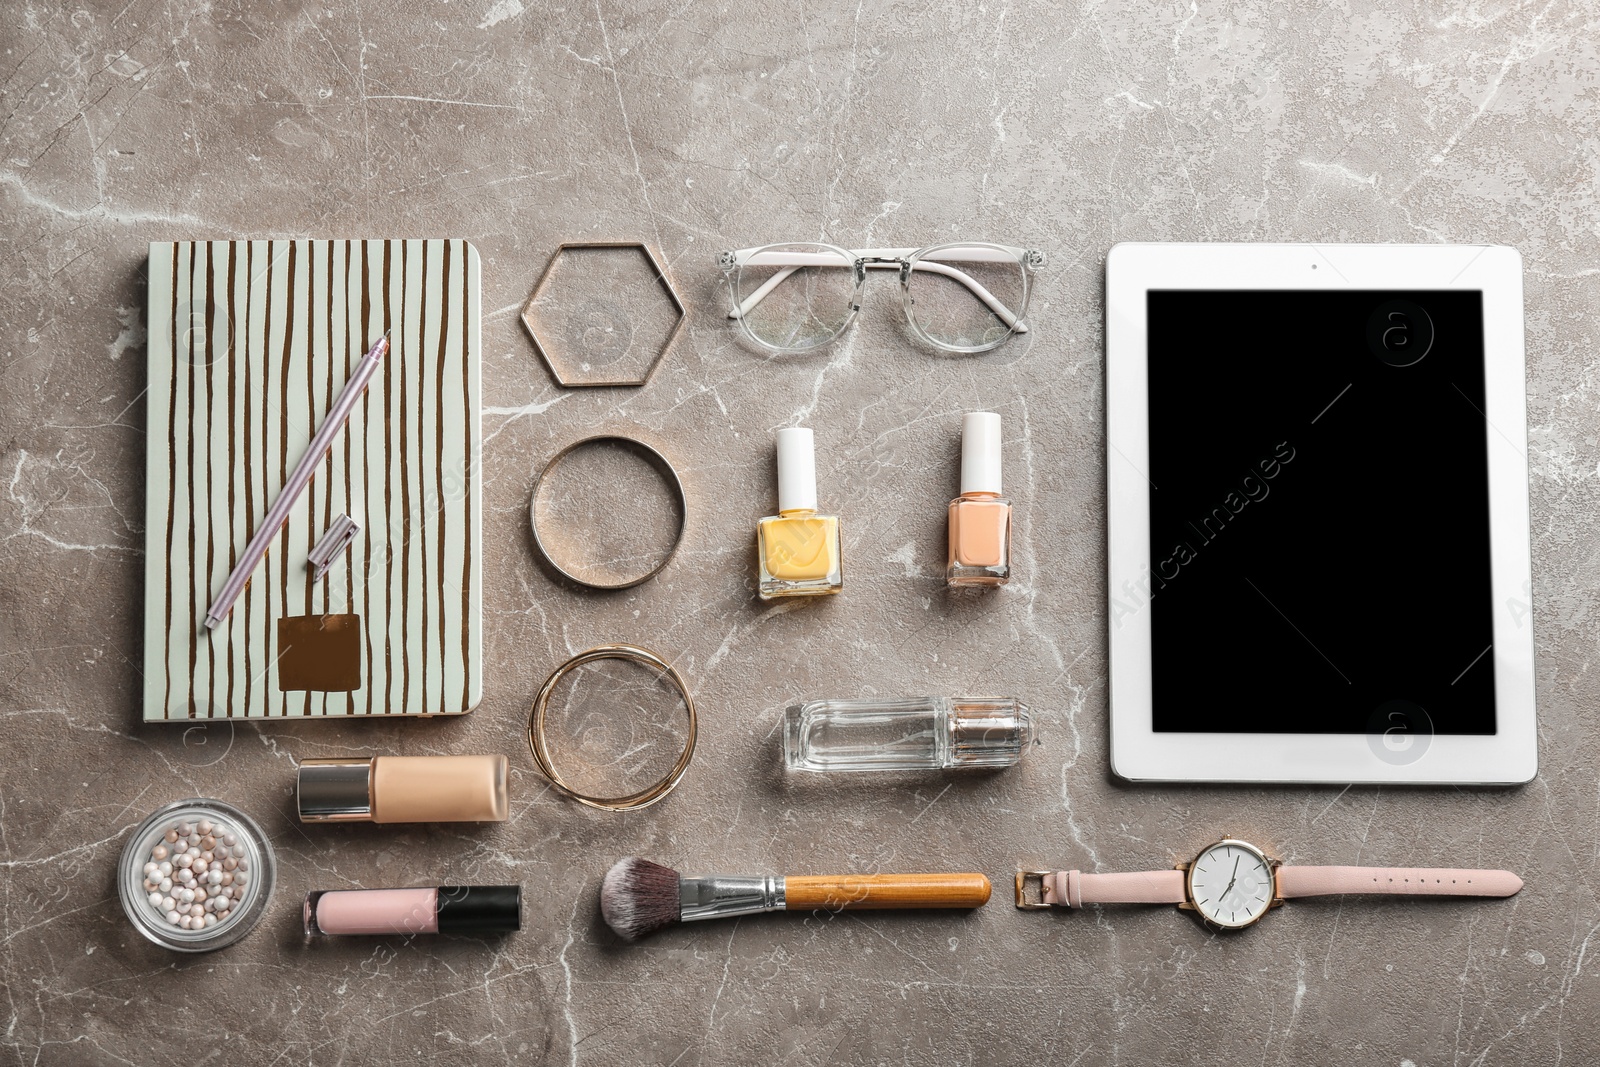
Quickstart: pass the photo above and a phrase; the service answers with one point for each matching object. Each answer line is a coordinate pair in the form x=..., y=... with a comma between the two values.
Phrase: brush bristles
x=639, y=897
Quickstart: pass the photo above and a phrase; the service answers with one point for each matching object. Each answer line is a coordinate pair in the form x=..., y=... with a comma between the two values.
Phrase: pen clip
x=334, y=541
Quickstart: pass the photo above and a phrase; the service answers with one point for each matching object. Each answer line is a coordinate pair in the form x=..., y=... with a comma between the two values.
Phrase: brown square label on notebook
x=320, y=653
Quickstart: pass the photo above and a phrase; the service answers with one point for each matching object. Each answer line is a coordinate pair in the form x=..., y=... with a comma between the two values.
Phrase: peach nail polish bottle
x=980, y=518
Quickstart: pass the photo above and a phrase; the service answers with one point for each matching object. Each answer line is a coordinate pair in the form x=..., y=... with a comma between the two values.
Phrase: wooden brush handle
x=808, y=892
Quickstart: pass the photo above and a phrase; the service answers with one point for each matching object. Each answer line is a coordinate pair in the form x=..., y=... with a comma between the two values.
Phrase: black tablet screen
x=1319, y=512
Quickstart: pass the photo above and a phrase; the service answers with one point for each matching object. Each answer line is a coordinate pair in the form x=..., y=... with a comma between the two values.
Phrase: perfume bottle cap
x=980, y=453
x=988, y=731
x=797, y=470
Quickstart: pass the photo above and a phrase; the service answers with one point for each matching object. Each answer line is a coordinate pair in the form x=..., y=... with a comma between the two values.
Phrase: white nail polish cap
x=797, y=470
x=980, y=453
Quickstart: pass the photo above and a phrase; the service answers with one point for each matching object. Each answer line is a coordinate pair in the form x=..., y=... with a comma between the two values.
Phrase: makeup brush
x=639, y=897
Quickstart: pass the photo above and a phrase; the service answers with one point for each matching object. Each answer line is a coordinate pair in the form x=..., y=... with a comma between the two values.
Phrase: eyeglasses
x=962, y=297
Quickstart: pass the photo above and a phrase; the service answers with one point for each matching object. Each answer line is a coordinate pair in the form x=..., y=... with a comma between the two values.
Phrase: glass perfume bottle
x=980, y=518
x=798, y=549
x=913, y=734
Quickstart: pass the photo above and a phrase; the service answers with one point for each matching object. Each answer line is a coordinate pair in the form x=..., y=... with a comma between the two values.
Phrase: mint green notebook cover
x=250, y=343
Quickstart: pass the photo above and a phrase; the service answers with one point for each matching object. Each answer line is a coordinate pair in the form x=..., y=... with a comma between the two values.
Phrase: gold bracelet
x=539, y=746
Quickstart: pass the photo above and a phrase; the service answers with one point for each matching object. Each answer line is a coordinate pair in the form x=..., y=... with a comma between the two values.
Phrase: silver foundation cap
x=335, y=790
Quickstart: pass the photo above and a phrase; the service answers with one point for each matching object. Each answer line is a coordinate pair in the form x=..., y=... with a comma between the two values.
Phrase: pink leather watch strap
x=1074, y=889
x=1402, y=881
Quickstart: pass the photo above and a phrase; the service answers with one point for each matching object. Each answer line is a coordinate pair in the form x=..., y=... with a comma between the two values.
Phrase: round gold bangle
x=541, y=748
x=656, y=460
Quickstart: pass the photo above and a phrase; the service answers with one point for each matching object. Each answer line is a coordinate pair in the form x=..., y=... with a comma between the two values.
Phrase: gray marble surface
x=697, y=127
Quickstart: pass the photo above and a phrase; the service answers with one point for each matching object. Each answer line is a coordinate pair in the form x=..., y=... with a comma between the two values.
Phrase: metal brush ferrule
x=719, y=896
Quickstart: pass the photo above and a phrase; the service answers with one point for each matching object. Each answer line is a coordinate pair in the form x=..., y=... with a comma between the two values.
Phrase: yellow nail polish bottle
x=798, y=549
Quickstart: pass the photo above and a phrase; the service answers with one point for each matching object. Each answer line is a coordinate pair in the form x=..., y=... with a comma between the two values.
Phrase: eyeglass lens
x=948, y=311
x=807, y=306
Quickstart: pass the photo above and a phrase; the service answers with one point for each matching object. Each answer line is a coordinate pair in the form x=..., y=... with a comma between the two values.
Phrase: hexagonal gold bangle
x=658, y=461
x=661, y=278
x=540, y=747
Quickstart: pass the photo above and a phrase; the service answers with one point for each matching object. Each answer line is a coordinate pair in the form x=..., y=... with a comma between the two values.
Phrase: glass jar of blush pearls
x=196, y=875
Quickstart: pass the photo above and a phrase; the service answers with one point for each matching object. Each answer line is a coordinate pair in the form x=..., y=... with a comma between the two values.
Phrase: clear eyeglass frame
x=787, y=258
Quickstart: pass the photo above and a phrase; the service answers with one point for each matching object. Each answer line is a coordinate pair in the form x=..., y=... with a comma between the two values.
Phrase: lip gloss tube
x=446, y=909
x=404, y=789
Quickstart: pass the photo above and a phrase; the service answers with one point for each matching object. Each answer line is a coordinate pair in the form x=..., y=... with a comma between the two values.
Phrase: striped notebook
x=250, y=343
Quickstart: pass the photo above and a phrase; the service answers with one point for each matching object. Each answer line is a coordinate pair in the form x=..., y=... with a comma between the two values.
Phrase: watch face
x=1231, y=884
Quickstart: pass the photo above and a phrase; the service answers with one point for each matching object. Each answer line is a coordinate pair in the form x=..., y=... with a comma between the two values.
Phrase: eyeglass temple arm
x=743, y=309
x=794, y=261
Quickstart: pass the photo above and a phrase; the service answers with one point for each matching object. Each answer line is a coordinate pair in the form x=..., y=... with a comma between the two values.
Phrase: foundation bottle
x=797, y=548
x=404, y=789
x=980, y=518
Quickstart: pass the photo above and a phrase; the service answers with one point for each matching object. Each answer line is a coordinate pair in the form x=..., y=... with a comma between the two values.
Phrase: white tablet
x=1318, y=537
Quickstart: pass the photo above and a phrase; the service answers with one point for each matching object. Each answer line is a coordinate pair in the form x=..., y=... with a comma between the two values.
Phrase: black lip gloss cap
x=479, y=909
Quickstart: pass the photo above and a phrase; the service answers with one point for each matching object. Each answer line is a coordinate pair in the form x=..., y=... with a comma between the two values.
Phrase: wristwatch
x=1232, y=884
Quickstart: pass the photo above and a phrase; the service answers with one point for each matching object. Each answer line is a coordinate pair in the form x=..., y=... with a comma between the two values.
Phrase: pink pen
x=332, y=424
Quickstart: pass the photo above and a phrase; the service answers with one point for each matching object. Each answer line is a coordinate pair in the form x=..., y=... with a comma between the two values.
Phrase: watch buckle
x=1022, y=890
